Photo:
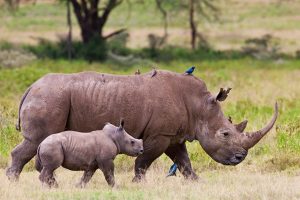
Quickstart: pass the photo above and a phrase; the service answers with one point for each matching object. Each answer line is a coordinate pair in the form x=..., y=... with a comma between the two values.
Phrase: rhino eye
x=225, y=133
x=132, y=142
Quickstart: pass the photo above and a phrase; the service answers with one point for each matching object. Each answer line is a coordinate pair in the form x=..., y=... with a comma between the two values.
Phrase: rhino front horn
x=252, y=138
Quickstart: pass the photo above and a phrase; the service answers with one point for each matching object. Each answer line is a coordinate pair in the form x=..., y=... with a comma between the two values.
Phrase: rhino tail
x=38, y=164
x=18, y=126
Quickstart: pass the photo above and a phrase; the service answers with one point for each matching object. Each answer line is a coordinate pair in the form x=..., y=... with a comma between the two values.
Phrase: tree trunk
x=69, y=22
x=87, y=14
x=192, y=23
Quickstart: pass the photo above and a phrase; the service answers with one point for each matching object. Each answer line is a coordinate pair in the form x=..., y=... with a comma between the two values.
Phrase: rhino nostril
x=239, y=156
x=141, y=151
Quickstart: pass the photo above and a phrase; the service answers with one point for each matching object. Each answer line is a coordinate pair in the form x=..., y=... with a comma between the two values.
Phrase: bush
x=92, y=51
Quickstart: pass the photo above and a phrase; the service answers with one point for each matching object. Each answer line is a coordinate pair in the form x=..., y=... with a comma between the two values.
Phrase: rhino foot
x=12, y=174
x=80, y=185
x=138, y=179
x=192, y=177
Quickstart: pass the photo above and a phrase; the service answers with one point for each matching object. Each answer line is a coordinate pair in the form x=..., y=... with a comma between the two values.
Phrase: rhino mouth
x=235, y=159
x=140, y=152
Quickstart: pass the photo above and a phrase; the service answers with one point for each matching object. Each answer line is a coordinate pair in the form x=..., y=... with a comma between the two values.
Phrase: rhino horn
x=252, y=138
x=241, y=126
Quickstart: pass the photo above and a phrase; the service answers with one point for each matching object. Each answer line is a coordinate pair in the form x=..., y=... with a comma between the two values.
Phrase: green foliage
x=94, y=50
x=171, y=53
x=288, y=136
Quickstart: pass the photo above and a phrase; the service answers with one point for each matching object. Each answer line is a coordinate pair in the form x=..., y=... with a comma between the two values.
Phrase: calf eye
x=132, y=142
x=226, y=133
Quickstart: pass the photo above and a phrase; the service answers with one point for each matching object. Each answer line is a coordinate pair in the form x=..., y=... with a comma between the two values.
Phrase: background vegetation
x=261, y=69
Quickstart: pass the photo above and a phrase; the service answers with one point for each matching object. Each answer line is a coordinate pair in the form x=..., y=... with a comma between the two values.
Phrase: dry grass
x=232, y=183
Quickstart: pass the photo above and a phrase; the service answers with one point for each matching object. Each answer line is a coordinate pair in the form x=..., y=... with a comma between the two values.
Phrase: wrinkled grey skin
x=165, y=111
x=85, y=151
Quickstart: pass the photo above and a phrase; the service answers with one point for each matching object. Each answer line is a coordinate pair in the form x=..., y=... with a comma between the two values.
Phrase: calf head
x=224, y=141
x=126, y=143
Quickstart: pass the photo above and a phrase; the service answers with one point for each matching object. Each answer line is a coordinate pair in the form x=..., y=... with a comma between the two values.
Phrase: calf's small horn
x=252, y=138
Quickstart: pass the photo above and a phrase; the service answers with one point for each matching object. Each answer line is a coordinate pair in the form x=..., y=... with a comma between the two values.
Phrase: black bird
x=172, y=171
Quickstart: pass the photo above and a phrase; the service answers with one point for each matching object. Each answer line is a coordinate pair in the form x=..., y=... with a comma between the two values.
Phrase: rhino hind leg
x=153, y=148
x=178, y=154
x=21, y=154
x=86, y=177
x=47, y=177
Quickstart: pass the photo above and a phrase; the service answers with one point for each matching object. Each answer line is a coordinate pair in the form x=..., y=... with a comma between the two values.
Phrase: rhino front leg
x=153, y=148
x=108, y=169
x=21, y=154
x=87, y=175
x=179, y=155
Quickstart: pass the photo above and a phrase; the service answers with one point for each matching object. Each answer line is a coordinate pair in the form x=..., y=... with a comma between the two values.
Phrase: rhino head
x=125, y=143
x=225, y=142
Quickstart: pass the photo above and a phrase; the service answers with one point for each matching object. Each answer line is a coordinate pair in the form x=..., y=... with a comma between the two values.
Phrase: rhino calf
x=85, y=152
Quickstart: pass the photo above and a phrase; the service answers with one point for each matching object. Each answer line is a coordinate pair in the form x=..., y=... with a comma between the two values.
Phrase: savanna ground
x=272, y=168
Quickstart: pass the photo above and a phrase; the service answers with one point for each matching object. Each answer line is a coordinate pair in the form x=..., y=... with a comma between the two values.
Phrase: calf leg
x=153, y=148
x=108, y=169
x=47, y=177
x=87, y=175
x=178, y=153
x=21, y=154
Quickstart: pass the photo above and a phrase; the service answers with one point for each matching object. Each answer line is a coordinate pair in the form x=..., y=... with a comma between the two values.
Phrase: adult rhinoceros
x=165, y=111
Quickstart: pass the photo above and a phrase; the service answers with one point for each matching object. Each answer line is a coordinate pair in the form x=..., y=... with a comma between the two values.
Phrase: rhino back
x=148, y=104
x=84, y=102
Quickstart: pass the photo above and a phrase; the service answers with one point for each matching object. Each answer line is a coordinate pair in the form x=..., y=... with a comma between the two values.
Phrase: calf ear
x=121, y=127
x=229, y=119
x=223, y=94
x=241, y=126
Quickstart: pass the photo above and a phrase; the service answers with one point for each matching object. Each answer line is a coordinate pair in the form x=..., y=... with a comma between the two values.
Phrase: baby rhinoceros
x=85, y=152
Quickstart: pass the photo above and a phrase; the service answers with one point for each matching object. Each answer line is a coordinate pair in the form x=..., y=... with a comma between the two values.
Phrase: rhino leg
x=178, y=154
x=46, y=177
x=21, y=154
x=108, y=168
x=153, y=148
x=86, y=177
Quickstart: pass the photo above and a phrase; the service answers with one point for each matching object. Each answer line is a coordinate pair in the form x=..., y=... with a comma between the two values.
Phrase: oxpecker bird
x=137, y=72
x=172, y=171
x=189, y=71
x=153, y=72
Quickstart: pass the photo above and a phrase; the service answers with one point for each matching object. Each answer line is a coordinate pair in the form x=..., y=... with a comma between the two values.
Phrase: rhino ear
x=241, y=126
x=223, y=94
x=229, y=119
x=121, y=127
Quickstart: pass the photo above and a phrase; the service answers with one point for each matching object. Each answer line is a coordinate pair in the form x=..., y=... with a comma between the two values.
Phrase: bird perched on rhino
x=189, y=71
x=154, y=72
x=172, y=171
x=137, y=72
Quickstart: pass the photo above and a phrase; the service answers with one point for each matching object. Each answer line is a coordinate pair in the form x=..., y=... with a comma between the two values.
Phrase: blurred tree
x=92, y=16
x=196, y=10
x=12, y=4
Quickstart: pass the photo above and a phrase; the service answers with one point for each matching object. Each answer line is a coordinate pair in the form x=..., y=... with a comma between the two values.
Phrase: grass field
x=271, y=169
x=216, y=184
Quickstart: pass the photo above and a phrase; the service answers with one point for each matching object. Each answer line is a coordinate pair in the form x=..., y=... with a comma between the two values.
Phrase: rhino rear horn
x=241, y=126
x=223, y=94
